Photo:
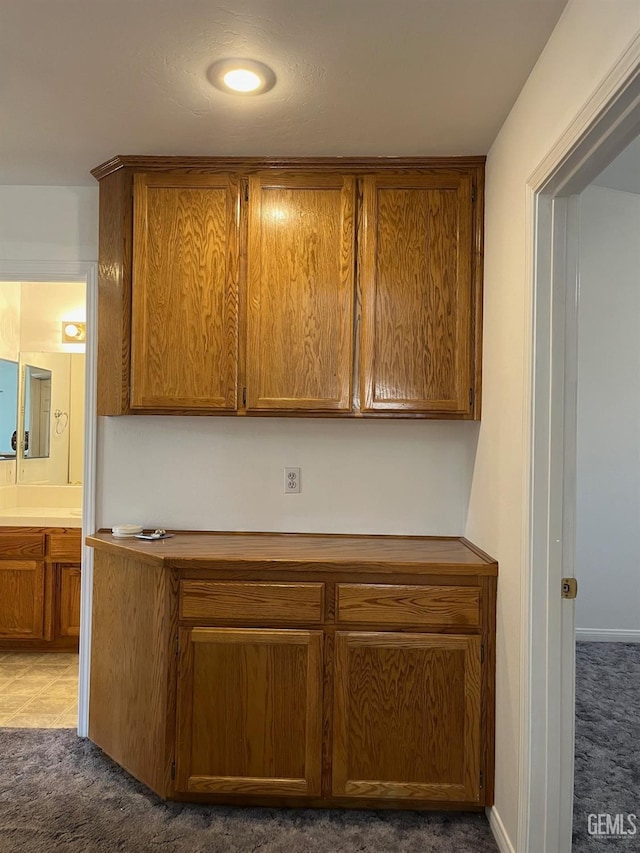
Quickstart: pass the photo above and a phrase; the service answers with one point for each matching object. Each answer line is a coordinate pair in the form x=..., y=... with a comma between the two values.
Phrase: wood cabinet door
x=300, y=304
x=69, y=600
x=416, y=293
x=22, y=599
x=249, y=711
x=407, y=716
x=184, y=347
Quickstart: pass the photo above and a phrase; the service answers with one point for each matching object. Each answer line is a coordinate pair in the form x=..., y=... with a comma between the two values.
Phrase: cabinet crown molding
x=254, y=164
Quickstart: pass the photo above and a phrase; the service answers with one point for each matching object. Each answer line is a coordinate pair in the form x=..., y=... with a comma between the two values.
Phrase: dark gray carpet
x=59, y=793
x=607, y=779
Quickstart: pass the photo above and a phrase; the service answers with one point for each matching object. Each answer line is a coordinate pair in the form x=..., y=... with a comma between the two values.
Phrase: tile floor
x=38, y=691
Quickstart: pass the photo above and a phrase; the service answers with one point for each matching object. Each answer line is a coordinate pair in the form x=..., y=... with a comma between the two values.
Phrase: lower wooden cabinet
x=406, y=721
x=249, y=711
x=69, y=600
x=309, y=671
x=22, y=599
x=39, y=588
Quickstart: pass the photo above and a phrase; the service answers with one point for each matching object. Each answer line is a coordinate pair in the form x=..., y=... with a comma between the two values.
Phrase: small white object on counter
x=125, y=531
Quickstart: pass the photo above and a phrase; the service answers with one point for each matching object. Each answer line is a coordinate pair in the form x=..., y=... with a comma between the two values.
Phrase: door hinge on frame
x=481, y=779
x=471, y=396
x=481, y=652
x=177, y=644
x=173, y=771
x=244, y=396
x=246, y=192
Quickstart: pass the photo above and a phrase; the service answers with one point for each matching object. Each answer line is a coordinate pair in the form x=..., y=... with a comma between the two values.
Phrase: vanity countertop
x=40, y=516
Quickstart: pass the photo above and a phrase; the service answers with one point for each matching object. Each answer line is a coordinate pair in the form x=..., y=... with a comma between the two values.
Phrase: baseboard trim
x=607, y=635
x=499, y=832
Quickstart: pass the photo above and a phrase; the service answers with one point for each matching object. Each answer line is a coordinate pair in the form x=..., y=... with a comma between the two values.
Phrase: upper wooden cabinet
x=416, y=286
x=184, y=343
x=300, y=287
x=334, y=287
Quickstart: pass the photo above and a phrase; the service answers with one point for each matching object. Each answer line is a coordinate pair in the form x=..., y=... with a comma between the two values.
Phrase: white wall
x=43, y=307
x=588, y=40
x=49, y=223
x=227, y=473
x=9, y=320
x=608, y=451
x=76, y=419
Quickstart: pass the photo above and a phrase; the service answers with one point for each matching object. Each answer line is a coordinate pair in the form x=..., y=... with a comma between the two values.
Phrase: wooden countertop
x=422, y=554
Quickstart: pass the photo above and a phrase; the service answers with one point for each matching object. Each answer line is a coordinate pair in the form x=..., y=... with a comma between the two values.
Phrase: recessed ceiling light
x=241, y=76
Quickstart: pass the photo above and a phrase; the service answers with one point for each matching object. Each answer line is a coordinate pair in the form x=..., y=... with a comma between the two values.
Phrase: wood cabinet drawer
x=395, y=604
x=251, y=603
x=65, y=546
x=21, y=544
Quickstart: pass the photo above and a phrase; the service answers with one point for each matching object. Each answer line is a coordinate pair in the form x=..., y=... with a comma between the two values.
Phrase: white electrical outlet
x=291, y=481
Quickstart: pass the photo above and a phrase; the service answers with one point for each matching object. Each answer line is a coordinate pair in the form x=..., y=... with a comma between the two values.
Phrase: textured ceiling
x=83, y=80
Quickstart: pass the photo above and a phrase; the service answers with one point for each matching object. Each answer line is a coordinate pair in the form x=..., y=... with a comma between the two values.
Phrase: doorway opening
x=47, y=491
x=608, y=123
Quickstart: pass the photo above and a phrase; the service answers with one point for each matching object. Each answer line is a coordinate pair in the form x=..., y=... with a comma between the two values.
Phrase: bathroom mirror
x=37, y=412
x=8, y=408
x=50, y=418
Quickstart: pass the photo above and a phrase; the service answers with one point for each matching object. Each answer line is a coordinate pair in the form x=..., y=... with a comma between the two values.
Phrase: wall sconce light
x=73, y=333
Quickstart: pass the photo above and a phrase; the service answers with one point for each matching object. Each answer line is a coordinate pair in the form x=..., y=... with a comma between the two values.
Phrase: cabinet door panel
x=185, y=292
x=69, y=601
x=301, y=292
x=21, y=599
x=415, y=282
x=250, y=711
x=407, y=716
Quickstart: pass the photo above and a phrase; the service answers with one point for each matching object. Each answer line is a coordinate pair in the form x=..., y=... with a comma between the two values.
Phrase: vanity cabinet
x=295, y=669
x=334, y=287
x=39, y=588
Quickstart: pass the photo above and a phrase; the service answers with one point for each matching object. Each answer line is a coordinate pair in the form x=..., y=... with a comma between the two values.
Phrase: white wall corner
x=500, y=834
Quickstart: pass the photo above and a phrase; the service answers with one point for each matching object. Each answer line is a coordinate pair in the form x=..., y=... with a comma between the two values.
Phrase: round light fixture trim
x=241, y=76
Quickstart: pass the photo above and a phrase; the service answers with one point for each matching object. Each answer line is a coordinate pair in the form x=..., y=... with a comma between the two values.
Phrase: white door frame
x=603, y=128
x=78, y=271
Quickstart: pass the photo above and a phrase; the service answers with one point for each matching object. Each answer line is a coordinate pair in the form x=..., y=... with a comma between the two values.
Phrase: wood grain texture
x=407, y=716
x=300, y=281
x=249, y=711
x=488, y=719
x=477, y=292
x=22, y=599
x=252, y=602
x=412, y=605
x=306, y=552
x=396, y=718
x=185, y=292
x=65, y=546
x=249, y=165
x=132, y=659
x=22, y=542
x=114, y=294
x=35, y=607
x=416, y=290
x=69, y=580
